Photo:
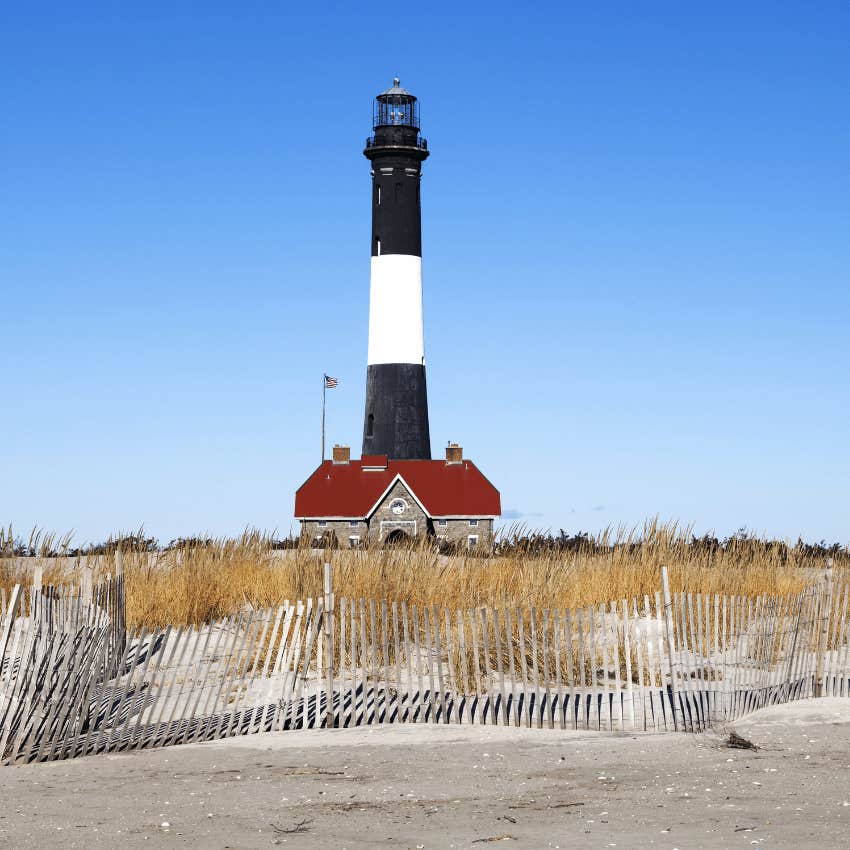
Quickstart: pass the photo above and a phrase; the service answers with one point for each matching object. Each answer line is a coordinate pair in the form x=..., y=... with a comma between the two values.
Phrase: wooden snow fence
x=663, y=662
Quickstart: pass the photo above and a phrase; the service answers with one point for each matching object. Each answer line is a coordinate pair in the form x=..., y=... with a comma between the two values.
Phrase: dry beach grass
x=198, y=582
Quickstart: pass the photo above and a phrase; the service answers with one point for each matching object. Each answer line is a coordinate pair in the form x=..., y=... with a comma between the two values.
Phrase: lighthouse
x=395, y=491
x=396, y=417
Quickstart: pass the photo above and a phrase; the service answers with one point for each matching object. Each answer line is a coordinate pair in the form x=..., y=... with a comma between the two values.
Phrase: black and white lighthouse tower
x=396, y=418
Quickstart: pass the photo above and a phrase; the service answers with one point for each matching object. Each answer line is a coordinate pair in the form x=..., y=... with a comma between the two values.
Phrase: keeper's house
x=379, y=500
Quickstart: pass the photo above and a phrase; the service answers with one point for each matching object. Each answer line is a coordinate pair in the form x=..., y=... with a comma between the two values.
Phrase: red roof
x=443, y=489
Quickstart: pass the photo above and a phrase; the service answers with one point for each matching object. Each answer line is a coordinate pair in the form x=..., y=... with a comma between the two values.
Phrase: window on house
x=472, y=541
x=473, y=523
x=353, y=523
x=322, y=523
x=441, y=522
x=370, y=425
x=354, y=541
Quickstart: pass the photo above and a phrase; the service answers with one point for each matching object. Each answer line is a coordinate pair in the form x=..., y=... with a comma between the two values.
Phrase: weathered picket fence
x=73, y=682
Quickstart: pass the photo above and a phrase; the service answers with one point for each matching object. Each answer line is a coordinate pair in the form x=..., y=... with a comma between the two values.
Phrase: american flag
x=330, y=382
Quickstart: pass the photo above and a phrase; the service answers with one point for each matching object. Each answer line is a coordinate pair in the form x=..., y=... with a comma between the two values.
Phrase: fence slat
x=559, y=696
x=582, y=668
x=397, y=691
x=419, y=702
x=547, y=701
x=409, y=715
x=629, y=719
x=429, y=654
x=464, y=672
x=526, y=708
x=438, y=652
x=597, y=691
x=385, y=661
x=451, y=678
x=535, y=702
x=500, y=668
x=571, y=679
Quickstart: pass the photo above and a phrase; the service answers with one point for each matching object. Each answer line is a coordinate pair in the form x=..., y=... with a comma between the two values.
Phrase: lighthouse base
x=396, y=420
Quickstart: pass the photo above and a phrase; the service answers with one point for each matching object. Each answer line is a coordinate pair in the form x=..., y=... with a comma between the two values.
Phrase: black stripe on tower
x=397, y=412
x=396, y=416
x=396, y=213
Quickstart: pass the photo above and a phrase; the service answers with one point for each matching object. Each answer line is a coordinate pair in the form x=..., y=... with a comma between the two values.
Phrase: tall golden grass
x=195, y=582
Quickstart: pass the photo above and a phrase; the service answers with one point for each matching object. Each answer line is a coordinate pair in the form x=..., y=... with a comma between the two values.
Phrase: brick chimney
x=342, y=454
x=454, y=453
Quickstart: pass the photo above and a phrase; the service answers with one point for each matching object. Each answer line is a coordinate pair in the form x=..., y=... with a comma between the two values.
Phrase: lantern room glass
x=395, y=110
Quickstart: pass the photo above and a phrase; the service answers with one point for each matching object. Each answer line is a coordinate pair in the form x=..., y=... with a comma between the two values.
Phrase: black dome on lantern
x=396, y=91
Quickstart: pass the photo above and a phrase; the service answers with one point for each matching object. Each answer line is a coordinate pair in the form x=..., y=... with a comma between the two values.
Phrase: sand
x=433, y=787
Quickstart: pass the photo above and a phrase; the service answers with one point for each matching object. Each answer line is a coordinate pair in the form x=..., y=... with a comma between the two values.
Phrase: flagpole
x=324, y=393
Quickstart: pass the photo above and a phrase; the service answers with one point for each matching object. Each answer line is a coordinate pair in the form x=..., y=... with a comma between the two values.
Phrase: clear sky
x=636, y=254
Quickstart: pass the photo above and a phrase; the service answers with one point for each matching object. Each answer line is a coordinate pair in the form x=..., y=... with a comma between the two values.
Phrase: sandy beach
x=453, y=787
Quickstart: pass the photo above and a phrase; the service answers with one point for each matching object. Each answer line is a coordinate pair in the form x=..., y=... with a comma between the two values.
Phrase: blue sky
x=635, y=257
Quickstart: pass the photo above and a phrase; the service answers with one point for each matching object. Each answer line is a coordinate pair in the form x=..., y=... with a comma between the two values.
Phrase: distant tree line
x=512, y=541
x=50, y=546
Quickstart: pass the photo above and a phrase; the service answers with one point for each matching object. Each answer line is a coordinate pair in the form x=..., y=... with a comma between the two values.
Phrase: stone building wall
x=340, y=527
x=457, y=531
x=383, y=520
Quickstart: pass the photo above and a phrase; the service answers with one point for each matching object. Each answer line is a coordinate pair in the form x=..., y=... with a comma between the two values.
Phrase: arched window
x=370, y=425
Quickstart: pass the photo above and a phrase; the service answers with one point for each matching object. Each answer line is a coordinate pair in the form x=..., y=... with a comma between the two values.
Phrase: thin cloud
x=513, y=513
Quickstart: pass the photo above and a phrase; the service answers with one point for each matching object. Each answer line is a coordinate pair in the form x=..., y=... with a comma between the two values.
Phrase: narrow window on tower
x=370, y=426
x=377, y=246
x=398, y=187
x=378, y=188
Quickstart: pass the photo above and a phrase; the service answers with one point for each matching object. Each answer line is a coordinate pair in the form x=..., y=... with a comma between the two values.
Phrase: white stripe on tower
x=395, y=310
